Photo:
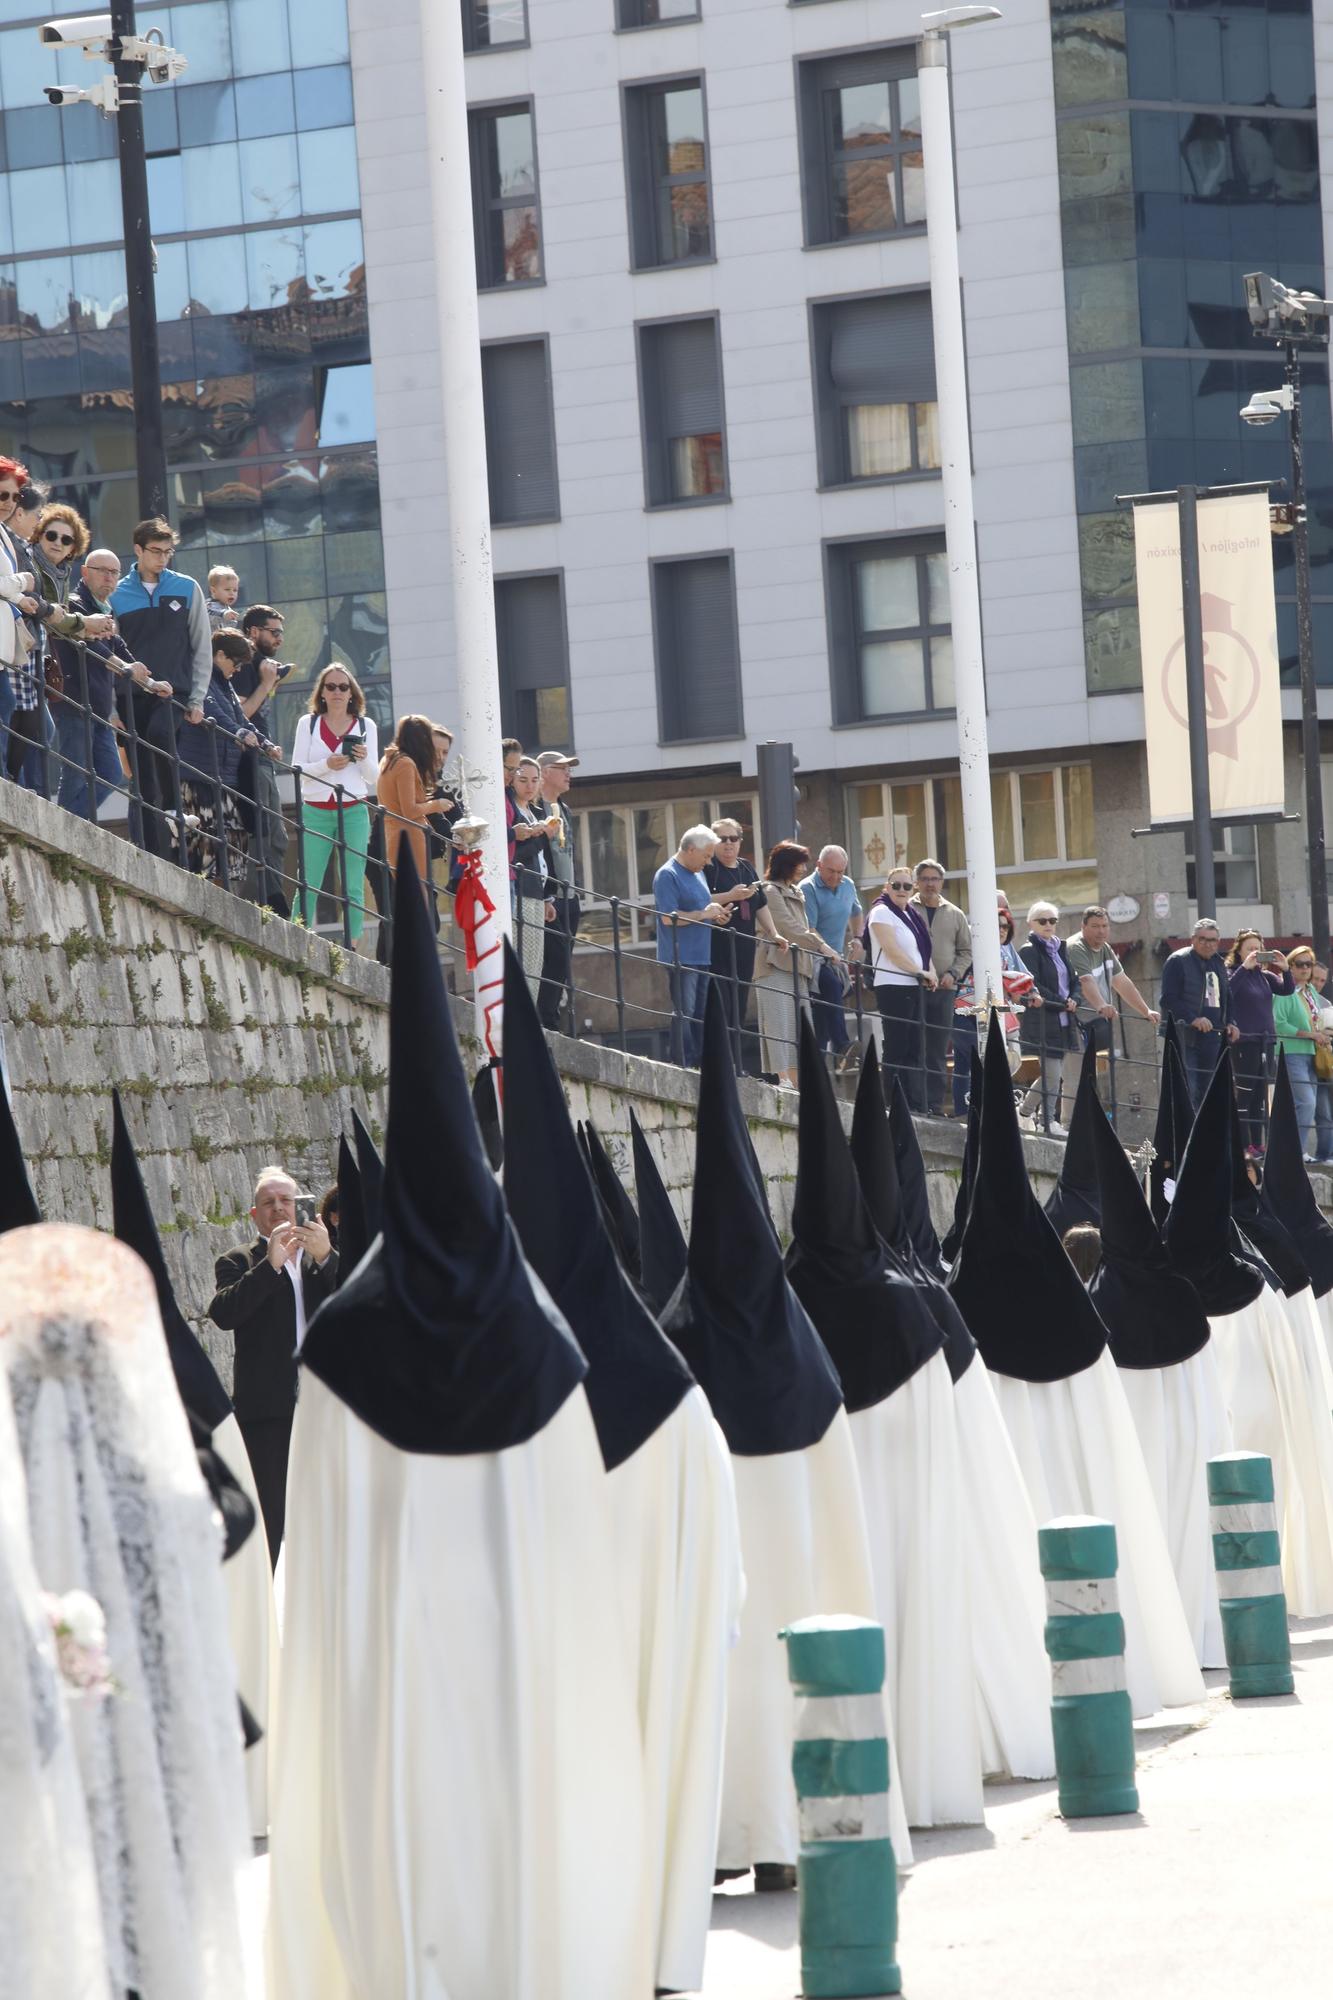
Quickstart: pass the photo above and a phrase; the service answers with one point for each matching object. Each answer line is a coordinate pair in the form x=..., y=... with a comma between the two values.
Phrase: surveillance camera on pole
x=90, y=32
x=1282, y=314
x=1267, y=405
x=105, y=95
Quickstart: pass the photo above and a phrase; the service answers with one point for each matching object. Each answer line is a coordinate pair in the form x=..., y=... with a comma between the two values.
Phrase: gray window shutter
x=530, y=633
x=881, y=350
x=698, y=657
x=520, y=441
x=689, y=380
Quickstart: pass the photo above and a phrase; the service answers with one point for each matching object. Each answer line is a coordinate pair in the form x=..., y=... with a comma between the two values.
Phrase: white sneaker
x=1055, y=1130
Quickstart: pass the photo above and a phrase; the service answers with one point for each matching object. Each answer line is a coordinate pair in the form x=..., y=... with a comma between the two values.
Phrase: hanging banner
x=1240, y=659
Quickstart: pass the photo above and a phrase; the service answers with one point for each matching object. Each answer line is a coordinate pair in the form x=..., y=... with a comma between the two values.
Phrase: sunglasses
x=61, y=541
x=1045, y=920
x=727, y=839
x=900, y=887
x=337, y=687
x=9, y=492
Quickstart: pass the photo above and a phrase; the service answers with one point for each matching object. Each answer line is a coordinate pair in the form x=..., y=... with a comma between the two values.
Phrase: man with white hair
x=266, y=1295
x=685, y=909
x=1049, y=1028
x=835, y=913
x=91, y=672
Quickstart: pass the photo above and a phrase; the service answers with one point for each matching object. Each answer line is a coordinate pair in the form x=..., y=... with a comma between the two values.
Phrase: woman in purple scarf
x=1049, y=1029
x=899, y=950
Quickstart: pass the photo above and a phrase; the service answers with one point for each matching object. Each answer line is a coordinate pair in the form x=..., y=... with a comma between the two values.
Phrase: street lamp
x=1292, y=318
x=112, y=38
x=960, y=535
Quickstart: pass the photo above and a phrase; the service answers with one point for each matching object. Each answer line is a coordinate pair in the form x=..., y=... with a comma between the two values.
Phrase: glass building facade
x=261, y=304
x=1188, y=155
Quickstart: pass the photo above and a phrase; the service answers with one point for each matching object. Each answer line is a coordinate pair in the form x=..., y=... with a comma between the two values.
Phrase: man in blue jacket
x=163, y=618
x=1196, y=990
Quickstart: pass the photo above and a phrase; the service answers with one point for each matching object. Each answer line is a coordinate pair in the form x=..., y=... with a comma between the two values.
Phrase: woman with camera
x=337, y=753
x=1256, y=977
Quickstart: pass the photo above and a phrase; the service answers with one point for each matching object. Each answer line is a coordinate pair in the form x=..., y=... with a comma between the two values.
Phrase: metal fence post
x=619, y=969
x=342, y=870
x=88, y=756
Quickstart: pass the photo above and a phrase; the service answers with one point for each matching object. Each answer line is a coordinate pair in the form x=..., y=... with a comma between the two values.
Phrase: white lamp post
x=946, y=306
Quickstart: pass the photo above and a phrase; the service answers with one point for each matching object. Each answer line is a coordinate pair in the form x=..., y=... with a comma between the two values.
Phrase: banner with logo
x=1240, y=660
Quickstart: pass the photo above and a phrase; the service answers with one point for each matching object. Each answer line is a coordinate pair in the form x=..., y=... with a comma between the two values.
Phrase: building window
x=619, y=849
x=494, y=24
x=680, y=392
x=505, y=213
x=1043, y=833
x=1235, y=860
x=666, y=139
x=520, y=431
x=654, y=13
x=345, y=404
x=861, y=164
x=891, y=648
x=534, y=660
x=697, y=649
x=874, y=365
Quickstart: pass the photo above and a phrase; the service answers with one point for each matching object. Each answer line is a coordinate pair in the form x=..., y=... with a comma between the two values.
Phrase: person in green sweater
x=1296, y=1021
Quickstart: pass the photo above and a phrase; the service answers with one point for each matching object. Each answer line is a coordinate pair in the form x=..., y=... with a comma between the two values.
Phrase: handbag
x=1323, y=1062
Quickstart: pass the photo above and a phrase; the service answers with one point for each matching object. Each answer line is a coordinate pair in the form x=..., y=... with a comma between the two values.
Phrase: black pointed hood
x=1024, y=1302
x=739, y=1324
x=865, y=1307
x=1288, y=1192
x=663, y=1255
x=1074, y=1197
x=371, y=1169
x=877, y=1172
x=197, y=1379
x=1153, y=1316
x=443, y=1341
x=1198, y=1227
x=1175, y=1121
x=636, y=1378
x=617, y=1209
x=18, y=1203
x=962, y=1199
x=1261, y=1237
x=912, y=1186
x=353, y=1237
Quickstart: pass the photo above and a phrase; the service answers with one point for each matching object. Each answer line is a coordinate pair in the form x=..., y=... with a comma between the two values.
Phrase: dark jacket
x=102, y=681
x=1253, y=991
x=169, y=630
x=1184, y=988
x=256, y=1304
x=230, y=723
x=1047, y=1027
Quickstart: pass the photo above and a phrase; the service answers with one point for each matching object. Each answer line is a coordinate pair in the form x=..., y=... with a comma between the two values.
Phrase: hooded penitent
x=1198, y=1225
x=1261, y=1237
x=1288, y=1193
x=18, y=1203
x=353, y=1236
x=1020, y=1295
x=912, y=1178
x=1074, y=1196
x=636, y=1378
x=617, y=1209
x=1153, y=1315
x=949, y=1247
x=440, y=1341
x=663, y=1254
x=371, y=1169
x=737, y=1321
x=1175, y=1119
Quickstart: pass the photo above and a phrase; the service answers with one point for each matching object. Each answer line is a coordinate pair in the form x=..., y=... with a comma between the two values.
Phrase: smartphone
x=305, y=1210
x=1269, y=957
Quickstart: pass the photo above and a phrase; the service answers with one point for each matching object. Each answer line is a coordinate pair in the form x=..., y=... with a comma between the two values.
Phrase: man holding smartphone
x=266, y=1294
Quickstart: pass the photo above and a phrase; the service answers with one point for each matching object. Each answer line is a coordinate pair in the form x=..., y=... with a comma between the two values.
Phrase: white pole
x=467, y=490
x=946, y=306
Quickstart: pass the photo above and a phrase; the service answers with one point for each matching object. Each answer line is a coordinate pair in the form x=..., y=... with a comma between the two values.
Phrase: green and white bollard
x=1247, y=1552
x=1085, y=1638
x=846, y=1872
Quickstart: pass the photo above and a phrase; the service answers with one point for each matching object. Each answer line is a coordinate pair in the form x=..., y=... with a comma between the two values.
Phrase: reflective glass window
x=296, y=568
x=350, y=485
x=171, y=284
x=334, y=259
x=264, y=104
x=323, y=97
x=506, y=219
x=212, y=181
x=1089, y=57
x=203, y=35
x=166, y=195
x=356, y=561
x=270, y=181
x=1102, y=306
x=260, y=41
x=250, y=561
x=206, y=112
x=217, y=274
x=86, y=133
x=6, y=235
x=27, y=65
x=161, y=132
x=93, y=193
x=100, y=289
x=285, y=407
x=319, y=32
x=175, y=350
x=293, y=508
x=104, y=361
x=275, y=264
x=328, y=171
x=232, y=507
x=38, y=208
x=346, y=405
x=51, y=371
x=32, y=137
x=358, y=627
x=1107, y=401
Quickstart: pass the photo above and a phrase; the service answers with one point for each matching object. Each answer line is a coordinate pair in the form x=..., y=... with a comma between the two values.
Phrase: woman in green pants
x=337, y=749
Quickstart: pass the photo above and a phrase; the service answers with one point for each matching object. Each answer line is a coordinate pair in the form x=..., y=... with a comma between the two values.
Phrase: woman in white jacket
x=337, y=751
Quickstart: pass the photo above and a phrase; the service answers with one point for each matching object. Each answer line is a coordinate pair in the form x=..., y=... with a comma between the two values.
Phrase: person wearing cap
x=558, y=939
x=1196, y=992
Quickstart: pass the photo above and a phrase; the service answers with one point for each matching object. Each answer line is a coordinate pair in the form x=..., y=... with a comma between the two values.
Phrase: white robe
x=907, y=1457
x=806, y=1552
x=1013, y=1675
x=1080, y=1454
x=1180, y=1415
x=678, y=1570
x=457, y=1785
x=252, y=1622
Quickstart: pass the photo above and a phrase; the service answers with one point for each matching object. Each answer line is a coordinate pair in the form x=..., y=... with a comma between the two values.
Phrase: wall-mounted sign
x=1122, y=909
x=1161, y=902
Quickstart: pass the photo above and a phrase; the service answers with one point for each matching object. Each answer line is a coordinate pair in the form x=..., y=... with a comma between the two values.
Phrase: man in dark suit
x=265, y=1297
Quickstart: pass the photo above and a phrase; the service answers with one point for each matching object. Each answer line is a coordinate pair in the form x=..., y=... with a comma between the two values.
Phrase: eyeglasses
x=727, y=839
x=900, y=888
x=1045, y=920
x=337, y=687
x=61, y=541
x=9, y=492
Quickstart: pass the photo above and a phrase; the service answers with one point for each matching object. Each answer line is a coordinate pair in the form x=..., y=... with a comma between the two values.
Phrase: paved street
x=1223, y=1884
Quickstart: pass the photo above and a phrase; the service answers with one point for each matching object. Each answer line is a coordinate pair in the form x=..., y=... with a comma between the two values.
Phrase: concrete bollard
x=1085, y=1638
x=846, y=1872
x=1247, y=1552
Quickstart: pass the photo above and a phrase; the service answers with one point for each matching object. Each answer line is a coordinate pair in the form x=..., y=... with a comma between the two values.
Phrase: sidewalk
x=1222, y=1885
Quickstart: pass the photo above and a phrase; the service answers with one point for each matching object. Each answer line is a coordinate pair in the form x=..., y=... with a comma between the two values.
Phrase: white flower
x=83, y=1618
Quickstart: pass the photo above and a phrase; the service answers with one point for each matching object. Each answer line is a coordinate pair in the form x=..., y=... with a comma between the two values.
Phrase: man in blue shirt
x=835, y=913
x=685, y=910
x=161, y=615
x=1195, y=990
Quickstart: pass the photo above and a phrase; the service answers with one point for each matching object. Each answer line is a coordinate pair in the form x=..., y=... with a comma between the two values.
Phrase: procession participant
x=353, y=1236
x=663, y=1254
x=465, y=1821
x=774, y=1390
x=371, y=1169
x=911, y=1175
x=1074, y=1197
x=1172, y=1128
x=669, y=1493
x=1288, y=1192
x=888, y=1351
x=1063, y=1402
x=963, y=1197
x=1000, y=1537
x=622, y=1223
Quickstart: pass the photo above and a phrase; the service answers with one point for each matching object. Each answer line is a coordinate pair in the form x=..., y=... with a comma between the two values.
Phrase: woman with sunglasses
x=59, y=534
x=336, y=751
x=1050, y=1021
x=900, y=960
x=1297, y=1018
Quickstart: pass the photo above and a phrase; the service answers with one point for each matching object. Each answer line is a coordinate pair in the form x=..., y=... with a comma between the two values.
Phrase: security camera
x=1266, y=405
x=105, y=95
x=89, y=32
x=165, y=65
x=1277, y=311
x=64, y=93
